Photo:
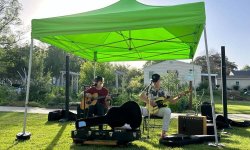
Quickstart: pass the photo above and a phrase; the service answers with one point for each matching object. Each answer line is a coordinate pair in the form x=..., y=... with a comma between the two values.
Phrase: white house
x=240, y=78
x=186, y=72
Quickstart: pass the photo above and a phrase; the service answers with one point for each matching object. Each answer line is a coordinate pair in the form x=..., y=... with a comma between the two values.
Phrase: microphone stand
x=147, y=93
x=84, y=99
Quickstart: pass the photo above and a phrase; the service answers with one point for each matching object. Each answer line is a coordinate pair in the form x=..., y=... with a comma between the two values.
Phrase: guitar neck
x=175, y=97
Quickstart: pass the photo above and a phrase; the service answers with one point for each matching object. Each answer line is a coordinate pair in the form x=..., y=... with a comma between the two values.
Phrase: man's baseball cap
x=99, y=78
x=155, y=77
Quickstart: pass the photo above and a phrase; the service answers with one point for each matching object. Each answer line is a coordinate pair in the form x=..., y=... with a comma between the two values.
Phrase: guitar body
x=129, y=113
x=92, y=100
x=159, y=104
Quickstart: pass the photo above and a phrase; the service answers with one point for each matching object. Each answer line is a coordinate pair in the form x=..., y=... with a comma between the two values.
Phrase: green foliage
x=135, y=85
x=13, y=60
x=9, y=16
x=56, y=96
x=56, y=59
x=34, y=104
x=215, y=63
x=180, y=106
x=171, y=83
x=7, y=94
x=203, y=85
x=105, y=70
x=246, y=67
x=122, y=98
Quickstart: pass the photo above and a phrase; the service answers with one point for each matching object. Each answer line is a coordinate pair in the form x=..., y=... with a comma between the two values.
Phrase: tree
x=9, y=16
x=149, y=63
x=55, y=62
x=105, y=70
x=246, y=67
x=13, y=61
x=215, y=64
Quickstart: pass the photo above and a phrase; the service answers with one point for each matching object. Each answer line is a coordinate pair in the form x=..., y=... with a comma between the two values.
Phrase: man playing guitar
x=101, y=106
x=154, y=92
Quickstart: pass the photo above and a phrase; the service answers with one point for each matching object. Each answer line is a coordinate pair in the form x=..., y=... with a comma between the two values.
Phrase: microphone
x=146, y=88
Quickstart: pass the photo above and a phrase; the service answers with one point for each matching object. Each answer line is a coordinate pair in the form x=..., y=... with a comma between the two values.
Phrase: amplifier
x=192, y=125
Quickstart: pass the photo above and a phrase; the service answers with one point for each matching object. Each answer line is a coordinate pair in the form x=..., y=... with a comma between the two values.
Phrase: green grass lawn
x=54, y=135
x=234, y=107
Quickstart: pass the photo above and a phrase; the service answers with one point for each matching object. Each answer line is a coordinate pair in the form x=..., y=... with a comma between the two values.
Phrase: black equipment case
x=105, y=137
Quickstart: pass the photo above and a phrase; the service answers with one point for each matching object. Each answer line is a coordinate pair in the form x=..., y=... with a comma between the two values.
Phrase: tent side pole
x=210, y=87
x=67, y=92
x=94, y=70
x=95, y=59
x=224, y=81
x=28, y=86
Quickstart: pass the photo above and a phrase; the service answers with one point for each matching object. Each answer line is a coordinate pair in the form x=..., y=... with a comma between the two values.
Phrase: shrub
x=7, y=93
x=248, y=87
x=203, y=85
x=236, y=87
x=34, y=104
x=181, y=105
x=56, y=100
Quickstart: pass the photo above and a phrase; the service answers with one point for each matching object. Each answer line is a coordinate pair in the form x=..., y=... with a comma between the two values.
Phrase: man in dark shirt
x=101, y=107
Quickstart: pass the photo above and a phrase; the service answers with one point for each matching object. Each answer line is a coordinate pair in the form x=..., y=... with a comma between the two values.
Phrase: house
x=239, y=78
x=204, y=78
x=185, y=71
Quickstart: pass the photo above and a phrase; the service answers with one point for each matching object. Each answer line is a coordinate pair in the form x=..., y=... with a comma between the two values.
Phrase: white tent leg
x=210, y=87
x=26, y=135
x=28, y=86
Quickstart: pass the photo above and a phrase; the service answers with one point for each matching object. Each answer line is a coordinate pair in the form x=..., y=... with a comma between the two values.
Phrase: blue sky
x=227, y=21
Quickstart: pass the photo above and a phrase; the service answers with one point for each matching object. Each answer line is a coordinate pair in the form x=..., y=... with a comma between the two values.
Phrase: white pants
x=164, y=112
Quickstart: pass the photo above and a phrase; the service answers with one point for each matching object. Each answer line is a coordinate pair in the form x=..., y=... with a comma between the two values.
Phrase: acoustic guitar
x=128, y=113
x=161, y=102
x=92, y=100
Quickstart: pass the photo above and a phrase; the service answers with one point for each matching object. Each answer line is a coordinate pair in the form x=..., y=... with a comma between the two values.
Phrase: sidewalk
x=46, y=111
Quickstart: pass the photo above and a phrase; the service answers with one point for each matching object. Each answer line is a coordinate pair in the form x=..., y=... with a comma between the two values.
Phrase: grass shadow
x=14, y=144
x=57, y=137
x=4, y=115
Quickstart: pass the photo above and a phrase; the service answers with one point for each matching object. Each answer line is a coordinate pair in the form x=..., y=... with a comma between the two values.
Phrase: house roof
x=241, y=73
x=174, y=61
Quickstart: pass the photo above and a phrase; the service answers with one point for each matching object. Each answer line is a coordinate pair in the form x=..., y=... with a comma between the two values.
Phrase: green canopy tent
x=125, y=31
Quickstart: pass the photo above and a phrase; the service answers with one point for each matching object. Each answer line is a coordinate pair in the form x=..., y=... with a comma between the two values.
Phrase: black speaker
x=192, y=125
x=206, y=110
x=210, y=129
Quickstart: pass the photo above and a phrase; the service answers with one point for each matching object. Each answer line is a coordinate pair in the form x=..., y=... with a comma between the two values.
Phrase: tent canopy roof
x=126, y=31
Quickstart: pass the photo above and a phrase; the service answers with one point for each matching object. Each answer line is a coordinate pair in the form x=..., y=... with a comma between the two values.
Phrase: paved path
x=46, y=111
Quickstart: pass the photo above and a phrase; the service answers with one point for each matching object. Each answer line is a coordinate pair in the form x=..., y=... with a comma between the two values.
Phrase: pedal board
x=105, y=137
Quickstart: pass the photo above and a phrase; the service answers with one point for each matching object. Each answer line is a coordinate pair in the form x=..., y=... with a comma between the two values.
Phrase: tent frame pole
x=28, y=87
x=26, y=135
x=210, y=87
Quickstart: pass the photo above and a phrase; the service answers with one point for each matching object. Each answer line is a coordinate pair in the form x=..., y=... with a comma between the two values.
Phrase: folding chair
x=151, y=122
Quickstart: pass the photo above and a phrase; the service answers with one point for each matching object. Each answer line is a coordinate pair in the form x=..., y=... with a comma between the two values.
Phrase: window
x=237, y=83
x=150, y=73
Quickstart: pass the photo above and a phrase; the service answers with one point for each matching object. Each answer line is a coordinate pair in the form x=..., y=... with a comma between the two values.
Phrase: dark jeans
x=97, y=110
